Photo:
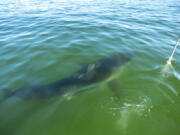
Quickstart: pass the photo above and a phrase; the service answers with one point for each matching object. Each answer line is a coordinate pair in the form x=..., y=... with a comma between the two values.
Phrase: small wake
x=168, y=68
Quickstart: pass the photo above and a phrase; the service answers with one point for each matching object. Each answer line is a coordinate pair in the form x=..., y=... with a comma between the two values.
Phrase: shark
x=89, y=74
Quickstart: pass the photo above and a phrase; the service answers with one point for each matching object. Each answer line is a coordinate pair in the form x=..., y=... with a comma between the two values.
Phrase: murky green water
x=42, y=41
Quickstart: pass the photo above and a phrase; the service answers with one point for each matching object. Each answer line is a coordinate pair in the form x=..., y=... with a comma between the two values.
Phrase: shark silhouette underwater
x=87, y=75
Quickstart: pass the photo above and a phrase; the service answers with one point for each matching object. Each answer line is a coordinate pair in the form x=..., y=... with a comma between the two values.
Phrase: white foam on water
x=128, y=111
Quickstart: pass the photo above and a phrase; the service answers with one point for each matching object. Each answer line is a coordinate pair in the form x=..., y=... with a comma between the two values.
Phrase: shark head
x=107, y=65
x=122, y=58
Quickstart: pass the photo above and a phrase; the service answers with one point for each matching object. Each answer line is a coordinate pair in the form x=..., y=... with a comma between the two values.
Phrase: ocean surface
x=42, y=41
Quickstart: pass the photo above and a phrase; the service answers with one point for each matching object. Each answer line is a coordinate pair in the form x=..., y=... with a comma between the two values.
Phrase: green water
x=42, y=41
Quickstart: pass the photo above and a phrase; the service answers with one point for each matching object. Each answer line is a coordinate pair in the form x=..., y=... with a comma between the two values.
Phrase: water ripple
x=44, y=41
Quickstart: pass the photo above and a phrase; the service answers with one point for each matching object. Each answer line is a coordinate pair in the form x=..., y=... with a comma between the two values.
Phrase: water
x=42, y=41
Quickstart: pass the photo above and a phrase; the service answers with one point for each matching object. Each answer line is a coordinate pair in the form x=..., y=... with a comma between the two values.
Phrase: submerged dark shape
x=87, y=75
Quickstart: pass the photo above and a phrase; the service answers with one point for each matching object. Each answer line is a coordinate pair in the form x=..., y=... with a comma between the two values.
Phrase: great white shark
x=87, y=75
